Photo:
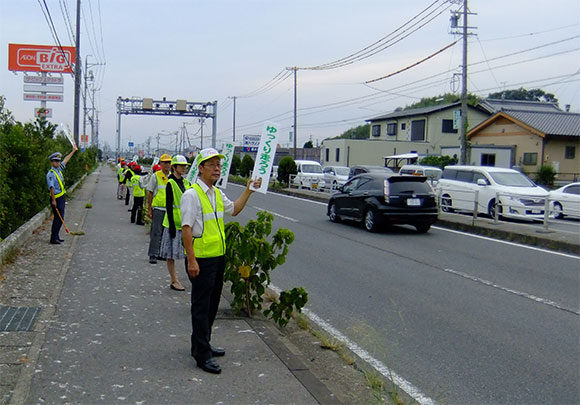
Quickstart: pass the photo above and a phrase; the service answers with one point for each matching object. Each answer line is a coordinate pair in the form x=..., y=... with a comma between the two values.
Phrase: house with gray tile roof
x=540, y=134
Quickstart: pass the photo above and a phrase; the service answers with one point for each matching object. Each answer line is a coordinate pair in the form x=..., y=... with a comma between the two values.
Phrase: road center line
x=275, y=214
x=389, y=374
x=511, y=291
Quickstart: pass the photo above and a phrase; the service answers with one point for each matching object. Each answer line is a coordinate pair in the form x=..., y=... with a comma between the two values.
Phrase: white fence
x=472, y=198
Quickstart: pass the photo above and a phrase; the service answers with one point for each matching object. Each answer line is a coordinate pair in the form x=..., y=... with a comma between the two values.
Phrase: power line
x=386, y=41
x=53, y=32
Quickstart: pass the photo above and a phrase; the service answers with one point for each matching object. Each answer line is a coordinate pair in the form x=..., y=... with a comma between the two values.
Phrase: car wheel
x=446, y=203
x=492, y=206
x=423, y=228
x=558, y=210
x=333, y=214
x=371, y=221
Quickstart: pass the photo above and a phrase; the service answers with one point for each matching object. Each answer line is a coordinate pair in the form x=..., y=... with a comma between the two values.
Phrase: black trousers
x=137, y=210
x=205, y=298
x=56, y=222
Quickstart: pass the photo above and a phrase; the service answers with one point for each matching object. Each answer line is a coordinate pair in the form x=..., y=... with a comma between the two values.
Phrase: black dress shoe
x=54, y=242
x=152, y=260
x=217, y=352
x=210, y=366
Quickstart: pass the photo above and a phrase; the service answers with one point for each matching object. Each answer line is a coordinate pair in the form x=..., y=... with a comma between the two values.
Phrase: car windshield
x=511, y=179
x=433, y=174
x=342, y=171
x=311, y=169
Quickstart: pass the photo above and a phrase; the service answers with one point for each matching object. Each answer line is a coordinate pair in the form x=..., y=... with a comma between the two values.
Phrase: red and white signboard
x=43, y=112
x=40, y=58
x=44, y=79
x=43, y=97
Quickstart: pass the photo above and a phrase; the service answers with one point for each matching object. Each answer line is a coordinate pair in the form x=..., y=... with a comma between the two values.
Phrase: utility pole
x=294, y=129
x=234, y=124
x=77, y=74
x=464, y=156
x=464, y=159
x=201, y=122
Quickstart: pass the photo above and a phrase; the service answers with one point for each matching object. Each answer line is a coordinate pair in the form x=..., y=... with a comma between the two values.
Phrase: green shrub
x=439, y=161
x=546, y=175
x=249, y=260
x=286, y=167
x=247, y=166
x=236, y=164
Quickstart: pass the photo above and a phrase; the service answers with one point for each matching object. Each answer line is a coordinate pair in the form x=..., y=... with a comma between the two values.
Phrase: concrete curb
x=19, y=236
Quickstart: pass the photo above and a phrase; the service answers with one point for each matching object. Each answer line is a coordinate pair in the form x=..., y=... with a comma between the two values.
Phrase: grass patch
x=302, y=322
x=10, y=255
x=347, y=357
x=88, y=205
x=328, y=343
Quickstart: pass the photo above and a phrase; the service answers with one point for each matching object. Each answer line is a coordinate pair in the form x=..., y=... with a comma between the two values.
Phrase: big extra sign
x=40, y=58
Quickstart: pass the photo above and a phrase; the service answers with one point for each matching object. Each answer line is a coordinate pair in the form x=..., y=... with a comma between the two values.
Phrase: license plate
x=413, y=202
x=315, y=185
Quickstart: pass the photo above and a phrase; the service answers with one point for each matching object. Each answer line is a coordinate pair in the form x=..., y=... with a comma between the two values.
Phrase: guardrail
x=473, y=197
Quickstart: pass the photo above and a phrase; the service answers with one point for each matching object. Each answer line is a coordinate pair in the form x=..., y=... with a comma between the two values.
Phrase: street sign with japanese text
x=228, y=152
x=44, y=79
x=251, y=143
x=43, y=97
x=265, y=155
x=41, y=58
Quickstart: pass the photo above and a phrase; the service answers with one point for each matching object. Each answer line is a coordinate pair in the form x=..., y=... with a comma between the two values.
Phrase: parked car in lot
x=432, y=173
x=381, y=199
x=335, y=176
x=309, y=175
x=359, y=169
x=519, y=197
x=566, y=200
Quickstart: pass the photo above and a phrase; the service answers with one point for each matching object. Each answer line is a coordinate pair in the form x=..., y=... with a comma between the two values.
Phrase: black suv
x=381, y=199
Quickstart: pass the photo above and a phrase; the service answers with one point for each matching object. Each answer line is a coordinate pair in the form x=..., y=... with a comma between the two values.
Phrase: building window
x=570, y=152
x=403, y=126
x=488, y=159
x=327, y=154
x=392, y=128
x=447, y=127
x=530, y=159
x=418, y=130
x=337, y=154
x=376, y=130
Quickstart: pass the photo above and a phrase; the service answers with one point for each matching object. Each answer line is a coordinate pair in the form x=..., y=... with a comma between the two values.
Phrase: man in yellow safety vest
x=202, y=210
x=55, y=182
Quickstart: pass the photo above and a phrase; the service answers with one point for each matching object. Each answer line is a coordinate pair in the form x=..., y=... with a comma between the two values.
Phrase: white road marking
x=507, y=242
x=389, y=374
x=275, y=214
x=511, y=291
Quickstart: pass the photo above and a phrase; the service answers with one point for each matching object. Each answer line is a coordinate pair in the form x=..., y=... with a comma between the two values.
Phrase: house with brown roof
x=538, y=133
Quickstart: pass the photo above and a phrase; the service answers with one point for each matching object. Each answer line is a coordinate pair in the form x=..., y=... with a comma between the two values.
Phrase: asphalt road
x=462, y=318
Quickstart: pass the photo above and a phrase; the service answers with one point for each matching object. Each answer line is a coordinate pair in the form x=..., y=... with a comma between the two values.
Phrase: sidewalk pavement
x=93, y=322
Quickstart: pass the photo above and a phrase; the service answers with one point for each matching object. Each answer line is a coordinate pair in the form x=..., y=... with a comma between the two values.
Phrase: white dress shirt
x=191, y=213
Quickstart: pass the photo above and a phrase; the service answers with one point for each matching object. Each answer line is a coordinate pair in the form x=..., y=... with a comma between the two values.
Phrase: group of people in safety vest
x=187, y=223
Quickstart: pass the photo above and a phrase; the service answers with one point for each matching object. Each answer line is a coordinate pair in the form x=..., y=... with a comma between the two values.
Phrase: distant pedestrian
x=156, y=207
x=171, y=247
x=202, y=210
x=138, y=196
x=127, y=174
x=55, y=182
x=121, y=188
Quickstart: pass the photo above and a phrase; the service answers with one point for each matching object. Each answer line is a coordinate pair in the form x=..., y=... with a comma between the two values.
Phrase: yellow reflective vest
x=138, y=191
x=159, y=198
x=62, y=190
x=213, y=239
x=177, y=193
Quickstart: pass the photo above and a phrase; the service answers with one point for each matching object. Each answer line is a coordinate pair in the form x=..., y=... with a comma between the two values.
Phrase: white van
x=519, y=197
x=309, y=175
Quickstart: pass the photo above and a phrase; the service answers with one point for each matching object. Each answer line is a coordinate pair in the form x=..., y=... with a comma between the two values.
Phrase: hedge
x=24, y=151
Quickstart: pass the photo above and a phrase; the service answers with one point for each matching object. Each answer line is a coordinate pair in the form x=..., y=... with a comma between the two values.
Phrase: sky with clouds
x=214, y=50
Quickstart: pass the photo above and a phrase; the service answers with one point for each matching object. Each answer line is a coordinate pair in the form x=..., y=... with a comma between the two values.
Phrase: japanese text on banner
x=228, y=152
x=265, y=155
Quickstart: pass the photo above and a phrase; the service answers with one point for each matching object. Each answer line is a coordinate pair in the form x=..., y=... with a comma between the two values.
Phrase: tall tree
x=523, y=94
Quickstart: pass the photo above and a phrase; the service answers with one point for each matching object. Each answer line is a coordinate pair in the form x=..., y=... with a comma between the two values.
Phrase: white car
x=519, y=197
x=566, y=200
x=335, y=176
x=309, y=175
